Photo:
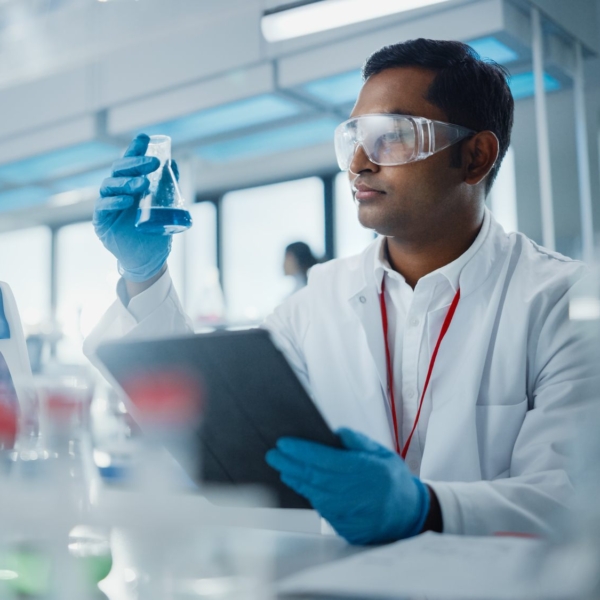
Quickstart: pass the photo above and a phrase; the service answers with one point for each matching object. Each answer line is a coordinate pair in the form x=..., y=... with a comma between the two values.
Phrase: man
x=442, y=354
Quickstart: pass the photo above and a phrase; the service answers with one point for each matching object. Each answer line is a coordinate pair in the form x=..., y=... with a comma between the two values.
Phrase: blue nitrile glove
x=366, y=492
x=141, y=255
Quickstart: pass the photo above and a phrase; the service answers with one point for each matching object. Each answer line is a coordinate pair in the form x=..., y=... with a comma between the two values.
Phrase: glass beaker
x=161, y=210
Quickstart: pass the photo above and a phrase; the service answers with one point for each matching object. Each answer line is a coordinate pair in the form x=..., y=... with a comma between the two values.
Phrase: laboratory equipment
x=139, y=256
x=115, y=434
x=65, y=433
x=15, y=373
x=55, y=541
x=161, y=209
x=15, y=370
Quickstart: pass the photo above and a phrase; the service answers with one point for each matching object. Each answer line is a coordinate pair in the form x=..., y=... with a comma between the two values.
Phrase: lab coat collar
x=468, y=271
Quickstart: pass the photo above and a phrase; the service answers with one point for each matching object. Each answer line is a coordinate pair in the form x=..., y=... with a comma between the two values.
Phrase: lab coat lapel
x=366, y=307
x=364, y=300
x=452, y=446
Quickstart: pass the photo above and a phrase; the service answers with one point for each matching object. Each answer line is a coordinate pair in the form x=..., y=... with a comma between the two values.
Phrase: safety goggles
x=390, y=140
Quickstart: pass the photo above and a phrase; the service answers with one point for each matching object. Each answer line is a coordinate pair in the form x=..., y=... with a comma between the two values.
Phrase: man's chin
x=374, y=220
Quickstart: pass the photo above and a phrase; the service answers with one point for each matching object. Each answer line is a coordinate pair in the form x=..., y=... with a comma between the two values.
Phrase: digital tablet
x=246, y=394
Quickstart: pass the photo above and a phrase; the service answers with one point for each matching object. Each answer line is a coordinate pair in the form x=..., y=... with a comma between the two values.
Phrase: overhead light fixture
x=303, y=18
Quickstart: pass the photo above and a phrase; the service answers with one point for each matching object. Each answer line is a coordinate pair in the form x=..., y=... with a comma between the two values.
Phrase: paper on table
x=440, y=566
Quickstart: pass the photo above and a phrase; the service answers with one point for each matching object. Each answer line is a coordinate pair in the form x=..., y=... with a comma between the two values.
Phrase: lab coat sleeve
x=287, y=325
x=535, y=496
x=155, y=313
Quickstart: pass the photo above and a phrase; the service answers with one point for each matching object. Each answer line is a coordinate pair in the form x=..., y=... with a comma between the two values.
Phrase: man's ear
x=479, y=156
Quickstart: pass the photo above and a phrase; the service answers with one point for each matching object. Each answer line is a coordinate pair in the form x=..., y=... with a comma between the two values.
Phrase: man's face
x=404, y=201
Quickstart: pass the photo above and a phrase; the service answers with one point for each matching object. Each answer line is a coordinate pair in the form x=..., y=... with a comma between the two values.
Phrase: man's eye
x=391, y=137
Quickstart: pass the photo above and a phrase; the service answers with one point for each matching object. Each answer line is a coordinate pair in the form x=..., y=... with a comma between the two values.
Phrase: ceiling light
x=295, y=21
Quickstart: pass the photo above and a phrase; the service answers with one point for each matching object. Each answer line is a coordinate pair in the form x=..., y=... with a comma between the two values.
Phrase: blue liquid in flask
x=159, y=213
x=163, y=220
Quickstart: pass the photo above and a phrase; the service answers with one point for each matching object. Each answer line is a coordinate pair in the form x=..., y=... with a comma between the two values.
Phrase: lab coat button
x=410, y=393
x=362, y=299
x=413, y=465
x=413, y=321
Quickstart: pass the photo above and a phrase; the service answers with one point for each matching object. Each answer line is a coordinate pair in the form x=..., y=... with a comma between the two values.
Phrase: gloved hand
x=140, y=255
x=366, y=492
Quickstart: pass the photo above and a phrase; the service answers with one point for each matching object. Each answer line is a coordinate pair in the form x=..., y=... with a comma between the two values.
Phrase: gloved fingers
x=138, y=145
x=134, y=166
x=103, y=221
x=353, y=440
x=118, y=186
x=113, y=203
x=305, y=489
x=175, y=169
x=327, y=503
x=325, y=480
x=318, y=455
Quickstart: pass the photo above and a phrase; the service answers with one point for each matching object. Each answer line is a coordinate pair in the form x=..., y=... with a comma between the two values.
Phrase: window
x=350, y=236
x=503, y=195
x=25, y=264
x=258, y=224
x=193, y=267
x=86, y=279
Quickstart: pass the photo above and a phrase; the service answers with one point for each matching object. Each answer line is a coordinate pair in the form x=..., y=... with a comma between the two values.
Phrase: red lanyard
x=390, y=372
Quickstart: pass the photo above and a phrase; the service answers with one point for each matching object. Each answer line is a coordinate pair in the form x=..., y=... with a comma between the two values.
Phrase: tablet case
x=248, y=397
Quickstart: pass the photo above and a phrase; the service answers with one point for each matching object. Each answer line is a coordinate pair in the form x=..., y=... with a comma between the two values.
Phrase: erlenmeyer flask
x=161, y=210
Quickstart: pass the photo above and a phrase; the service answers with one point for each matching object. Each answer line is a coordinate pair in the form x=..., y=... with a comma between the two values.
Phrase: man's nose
x=360, y=161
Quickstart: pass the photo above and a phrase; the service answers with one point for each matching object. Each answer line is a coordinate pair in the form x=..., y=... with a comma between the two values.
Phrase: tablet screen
x=247, y=397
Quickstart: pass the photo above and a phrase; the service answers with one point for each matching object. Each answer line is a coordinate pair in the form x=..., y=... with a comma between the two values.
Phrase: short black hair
x=472, y=92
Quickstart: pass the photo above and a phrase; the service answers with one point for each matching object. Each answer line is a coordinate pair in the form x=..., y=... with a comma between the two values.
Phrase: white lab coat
x=510, y=380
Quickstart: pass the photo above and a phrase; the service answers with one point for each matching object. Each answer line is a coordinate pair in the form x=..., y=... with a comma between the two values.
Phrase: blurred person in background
x=297, y=261
x=443, y=353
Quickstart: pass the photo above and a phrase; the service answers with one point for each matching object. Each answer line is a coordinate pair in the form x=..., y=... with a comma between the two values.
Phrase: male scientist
x=442, y=354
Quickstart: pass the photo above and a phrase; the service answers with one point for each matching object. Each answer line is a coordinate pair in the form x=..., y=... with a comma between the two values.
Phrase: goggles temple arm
x=424, y=137
x=445, y=135
x=427, y=138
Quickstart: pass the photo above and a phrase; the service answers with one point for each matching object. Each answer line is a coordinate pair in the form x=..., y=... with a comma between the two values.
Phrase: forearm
x=134, y=288
x=153, y=314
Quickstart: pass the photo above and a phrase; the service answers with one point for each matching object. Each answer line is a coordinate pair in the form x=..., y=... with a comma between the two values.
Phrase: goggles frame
x=428, y=137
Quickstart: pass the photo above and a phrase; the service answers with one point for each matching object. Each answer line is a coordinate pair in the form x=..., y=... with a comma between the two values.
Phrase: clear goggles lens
x=390, y=140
